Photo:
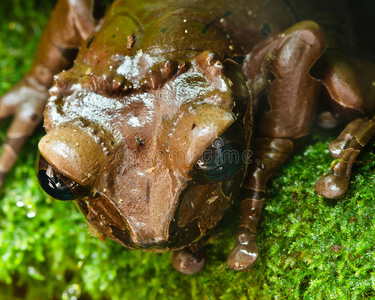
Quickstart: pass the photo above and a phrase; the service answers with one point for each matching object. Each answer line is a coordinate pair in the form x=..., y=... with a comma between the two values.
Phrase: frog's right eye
x=224, y=158
x=55, y=183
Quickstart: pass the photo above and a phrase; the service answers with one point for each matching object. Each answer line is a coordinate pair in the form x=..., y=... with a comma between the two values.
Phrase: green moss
x=311, y=248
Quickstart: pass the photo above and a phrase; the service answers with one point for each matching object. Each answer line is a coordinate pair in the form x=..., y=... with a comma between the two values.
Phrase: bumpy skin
x=156, y=84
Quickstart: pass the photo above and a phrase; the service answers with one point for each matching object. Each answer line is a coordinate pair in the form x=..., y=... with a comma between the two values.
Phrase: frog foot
x=189, y=260
x=245, y=254
x=332, y=186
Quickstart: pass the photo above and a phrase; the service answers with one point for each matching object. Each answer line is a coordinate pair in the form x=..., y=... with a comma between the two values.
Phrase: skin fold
x=161, y=114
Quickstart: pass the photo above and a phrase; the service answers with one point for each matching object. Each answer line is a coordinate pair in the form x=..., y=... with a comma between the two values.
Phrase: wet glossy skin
x=156, y=86
x=174, y=100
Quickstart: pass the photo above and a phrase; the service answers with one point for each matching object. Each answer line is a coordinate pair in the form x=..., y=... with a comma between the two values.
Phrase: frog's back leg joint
x=71, y=23
x=341, y=81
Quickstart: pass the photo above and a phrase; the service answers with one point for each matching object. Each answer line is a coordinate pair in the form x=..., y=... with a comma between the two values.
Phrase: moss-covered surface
x=311, y=248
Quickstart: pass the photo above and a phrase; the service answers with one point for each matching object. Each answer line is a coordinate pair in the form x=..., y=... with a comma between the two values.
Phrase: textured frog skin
x=155, y=85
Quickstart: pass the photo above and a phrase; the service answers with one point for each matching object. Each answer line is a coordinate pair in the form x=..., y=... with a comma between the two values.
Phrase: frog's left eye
x=224, y=158
x=55, y=183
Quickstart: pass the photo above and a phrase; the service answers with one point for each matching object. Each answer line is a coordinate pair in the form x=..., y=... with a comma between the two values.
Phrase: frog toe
x=25, y=102
x=244, y=255
x=187, y=261
x=336, y=146
x=332, y=186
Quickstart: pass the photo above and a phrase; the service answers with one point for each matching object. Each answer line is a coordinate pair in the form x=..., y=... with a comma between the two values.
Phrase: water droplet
x=20, y=204
x=79, y=265
x=32, y=271
x=31, y=214
x=72, y=292
x=35, y=273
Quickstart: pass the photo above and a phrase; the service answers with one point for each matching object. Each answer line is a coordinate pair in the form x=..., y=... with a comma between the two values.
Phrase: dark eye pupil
x=224, y=158
x=56, y=184
x=222, y=163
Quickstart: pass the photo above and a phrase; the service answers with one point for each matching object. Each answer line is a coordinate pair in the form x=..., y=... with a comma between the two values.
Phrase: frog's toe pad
x=332, y=186
x=243, y=256
x=187, y=262
x=336, y=146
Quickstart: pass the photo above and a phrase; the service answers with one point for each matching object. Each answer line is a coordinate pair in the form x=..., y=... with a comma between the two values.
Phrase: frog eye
x=55, y=183
x=224, y=158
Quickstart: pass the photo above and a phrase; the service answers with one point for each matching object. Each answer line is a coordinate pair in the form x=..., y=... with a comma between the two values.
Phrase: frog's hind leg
x=356, y=135
x=279, y=68
x=70, y=23
x=351, y=92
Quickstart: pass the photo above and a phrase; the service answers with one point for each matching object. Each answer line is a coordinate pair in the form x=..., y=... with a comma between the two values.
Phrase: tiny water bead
x=72, y=292
x=31, y=214
x=20, y=203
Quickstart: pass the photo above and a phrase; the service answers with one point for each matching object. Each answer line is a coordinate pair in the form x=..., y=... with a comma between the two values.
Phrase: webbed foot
x=189, y=260
x=245, y=254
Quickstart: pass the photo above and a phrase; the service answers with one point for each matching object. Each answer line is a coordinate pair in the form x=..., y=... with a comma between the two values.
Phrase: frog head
x=154, y=159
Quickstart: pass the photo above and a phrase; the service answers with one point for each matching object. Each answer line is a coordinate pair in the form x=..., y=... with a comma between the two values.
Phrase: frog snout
x=149, y=204
x=158, y=243
x=154, y=242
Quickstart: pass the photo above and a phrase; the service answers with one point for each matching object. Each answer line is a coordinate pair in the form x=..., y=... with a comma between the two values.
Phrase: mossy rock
x=310, y=247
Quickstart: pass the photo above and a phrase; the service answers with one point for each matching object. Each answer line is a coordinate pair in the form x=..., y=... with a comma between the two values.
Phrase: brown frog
x=150, y=128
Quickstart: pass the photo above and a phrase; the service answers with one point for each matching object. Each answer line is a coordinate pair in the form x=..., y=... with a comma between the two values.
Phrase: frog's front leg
x=70, y=23
x=285, y=61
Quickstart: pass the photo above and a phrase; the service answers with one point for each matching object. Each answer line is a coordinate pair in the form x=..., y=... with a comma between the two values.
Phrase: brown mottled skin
x=156, y=83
